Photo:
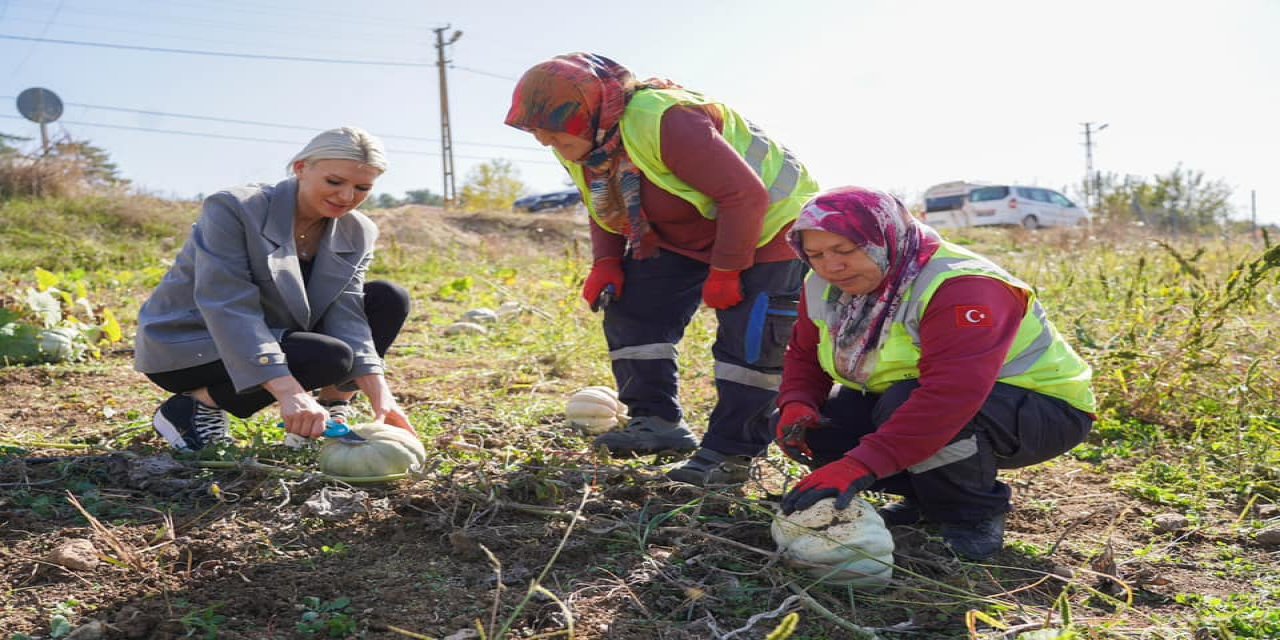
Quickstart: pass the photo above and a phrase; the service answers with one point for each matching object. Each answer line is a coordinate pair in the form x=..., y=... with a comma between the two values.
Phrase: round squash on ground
x=388, y=450
x=848, y=546
x=595, y=410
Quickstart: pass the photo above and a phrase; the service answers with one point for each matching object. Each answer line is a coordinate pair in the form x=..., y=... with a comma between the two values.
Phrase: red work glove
x=842, y=479
x=723, y=289
x=605, y=272
x=796, y=419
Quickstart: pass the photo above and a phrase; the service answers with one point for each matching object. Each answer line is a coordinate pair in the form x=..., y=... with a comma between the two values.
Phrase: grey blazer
x=236, y=287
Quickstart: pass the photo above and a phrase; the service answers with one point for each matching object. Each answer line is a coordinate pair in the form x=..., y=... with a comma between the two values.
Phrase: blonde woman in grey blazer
x=268, y=301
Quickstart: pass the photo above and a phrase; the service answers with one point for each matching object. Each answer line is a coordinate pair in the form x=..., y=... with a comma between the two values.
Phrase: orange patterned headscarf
x=585, y=95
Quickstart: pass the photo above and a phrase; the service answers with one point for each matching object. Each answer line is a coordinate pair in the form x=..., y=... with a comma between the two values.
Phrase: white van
x=964, y=204
x=944, y=204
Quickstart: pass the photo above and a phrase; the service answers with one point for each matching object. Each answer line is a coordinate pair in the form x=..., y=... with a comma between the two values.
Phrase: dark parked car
x=544, y=201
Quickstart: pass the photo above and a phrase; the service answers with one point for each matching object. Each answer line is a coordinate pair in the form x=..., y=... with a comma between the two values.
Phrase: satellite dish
x=39, y=105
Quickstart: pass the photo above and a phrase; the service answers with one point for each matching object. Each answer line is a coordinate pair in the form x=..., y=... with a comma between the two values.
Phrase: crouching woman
x=267, y=301
x=946, y=369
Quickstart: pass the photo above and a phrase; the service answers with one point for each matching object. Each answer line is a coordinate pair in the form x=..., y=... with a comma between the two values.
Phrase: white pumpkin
x=508, y=309
x=595, y=410
x=388, y=450
x=59, y=345
x=480, y=316
x=849, y=546
x=465, y=329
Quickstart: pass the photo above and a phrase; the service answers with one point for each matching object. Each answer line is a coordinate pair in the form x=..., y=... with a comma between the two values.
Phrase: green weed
x=1235, y=616
x=201, y=623
x=62, y=619
x=326, y=619
x=337, y=549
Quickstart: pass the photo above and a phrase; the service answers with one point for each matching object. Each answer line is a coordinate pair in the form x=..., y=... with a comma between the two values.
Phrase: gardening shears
x=604, y=299
x=793, y=440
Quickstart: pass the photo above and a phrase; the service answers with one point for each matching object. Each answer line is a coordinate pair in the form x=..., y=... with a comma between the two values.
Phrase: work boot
x=975, y=540
x=902, y=512
x=649, y=434
x=711, y=468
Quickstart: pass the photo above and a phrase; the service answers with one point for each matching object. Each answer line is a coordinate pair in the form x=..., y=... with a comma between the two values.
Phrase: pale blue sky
x=897, y=95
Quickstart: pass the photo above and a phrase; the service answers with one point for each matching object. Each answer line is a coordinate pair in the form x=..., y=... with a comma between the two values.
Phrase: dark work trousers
x=1014, y=428
x=644, y=325
x=315, y=359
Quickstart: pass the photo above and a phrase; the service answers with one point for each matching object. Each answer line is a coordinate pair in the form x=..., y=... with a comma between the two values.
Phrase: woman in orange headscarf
x=689, y=203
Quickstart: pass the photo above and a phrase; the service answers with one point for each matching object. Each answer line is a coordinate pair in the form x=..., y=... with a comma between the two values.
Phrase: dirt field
x=244, y=553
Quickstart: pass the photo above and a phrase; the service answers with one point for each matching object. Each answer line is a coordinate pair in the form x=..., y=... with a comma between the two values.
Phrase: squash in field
x=466, y=329
x=58, y=345
x=848, y=546
x=480, y=316
x=389, y=450
x=595, y=410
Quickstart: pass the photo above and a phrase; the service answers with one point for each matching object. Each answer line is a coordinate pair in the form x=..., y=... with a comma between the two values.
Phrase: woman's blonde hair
x=343, y=143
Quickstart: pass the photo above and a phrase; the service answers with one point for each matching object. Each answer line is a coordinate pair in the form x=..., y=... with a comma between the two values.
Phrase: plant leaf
x=19, y=344
x=111, y=327
x=45, y=279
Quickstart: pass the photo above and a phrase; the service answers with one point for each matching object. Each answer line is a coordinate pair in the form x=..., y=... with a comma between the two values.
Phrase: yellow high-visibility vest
x=789, y=183
x=1039, y=360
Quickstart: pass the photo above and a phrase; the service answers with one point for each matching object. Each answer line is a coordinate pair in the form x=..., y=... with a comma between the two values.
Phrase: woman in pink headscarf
x=919, y=368
x=689, y=204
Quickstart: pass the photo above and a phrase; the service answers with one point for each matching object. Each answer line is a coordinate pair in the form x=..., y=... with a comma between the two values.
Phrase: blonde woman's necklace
x=308, y=239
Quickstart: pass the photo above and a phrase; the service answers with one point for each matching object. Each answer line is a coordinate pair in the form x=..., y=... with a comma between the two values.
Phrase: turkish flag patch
x=973, y=315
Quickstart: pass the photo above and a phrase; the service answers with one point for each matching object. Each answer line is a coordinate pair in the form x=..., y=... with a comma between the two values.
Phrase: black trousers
x=1014, y=428
x=643, y=327
x=315, y=359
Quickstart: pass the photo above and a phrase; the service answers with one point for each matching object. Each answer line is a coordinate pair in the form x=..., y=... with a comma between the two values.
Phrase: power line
x=43, y=30
x=221, y=54
x=259, y=123
x=252, y=56
x=219, y=136
x=249, y=30
x=242, y=8
x=99, y=30
x=483, y=73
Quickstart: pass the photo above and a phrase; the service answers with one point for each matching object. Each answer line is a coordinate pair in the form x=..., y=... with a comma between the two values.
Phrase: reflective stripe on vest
x=1039, y=359
x=788, y=182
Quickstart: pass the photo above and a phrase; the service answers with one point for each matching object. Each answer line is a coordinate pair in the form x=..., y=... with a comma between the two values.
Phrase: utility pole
x=1092, y=181
x=450, y=189
x=1253, y=212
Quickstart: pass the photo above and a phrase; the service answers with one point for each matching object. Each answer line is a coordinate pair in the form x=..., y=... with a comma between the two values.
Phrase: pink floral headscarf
x=894, y=239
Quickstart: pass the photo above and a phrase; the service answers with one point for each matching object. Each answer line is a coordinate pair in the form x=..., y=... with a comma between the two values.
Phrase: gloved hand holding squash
x=842, y=480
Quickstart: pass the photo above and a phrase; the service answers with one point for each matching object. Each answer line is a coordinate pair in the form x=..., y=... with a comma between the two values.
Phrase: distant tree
x=492, y=186
x=424, y=196
x=416, y=196
x=70, y=167
x=1181, y=200
x=1190, y=198
x=92, y=163
x=382, y=201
